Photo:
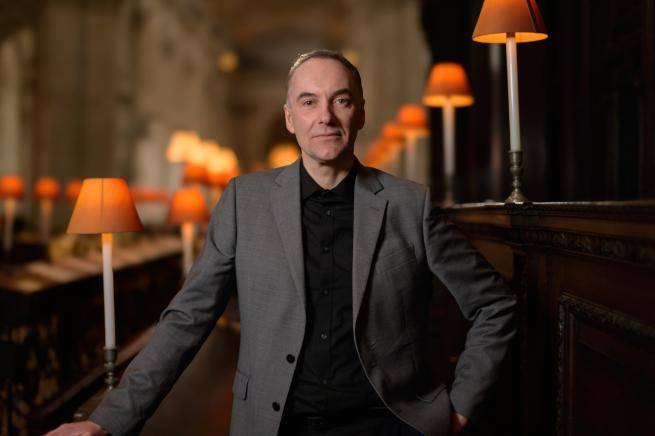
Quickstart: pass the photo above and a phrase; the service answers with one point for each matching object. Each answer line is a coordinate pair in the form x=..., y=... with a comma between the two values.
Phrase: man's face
x=324, y=110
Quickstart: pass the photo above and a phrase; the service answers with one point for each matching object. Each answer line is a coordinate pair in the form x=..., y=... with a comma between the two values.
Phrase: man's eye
x=307, y=102
x=343, y=101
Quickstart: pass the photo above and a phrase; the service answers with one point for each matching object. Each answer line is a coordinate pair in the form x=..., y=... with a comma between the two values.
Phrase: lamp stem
x=188, y=234
x=513, y=94
x=108, y=294
x=448, y=115
x=46, y=220
x=410, y=156
x=516, y=151
x=10, y=213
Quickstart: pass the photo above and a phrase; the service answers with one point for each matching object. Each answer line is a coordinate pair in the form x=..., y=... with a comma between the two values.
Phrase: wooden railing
x=585, y=277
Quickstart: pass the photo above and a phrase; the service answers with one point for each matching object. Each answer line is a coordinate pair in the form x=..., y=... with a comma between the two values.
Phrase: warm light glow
x=181, y=146
x=412, y=116
x=73, y=190
x=12, y=187
x=46, y=188
x=194, y=174
x=222, y=165
x=500, y=17
x=188, y=205
x=149, y=195
x=392, y=131
x=448, y=83
x=228, y=61
x=104, y=206
x=283, y=154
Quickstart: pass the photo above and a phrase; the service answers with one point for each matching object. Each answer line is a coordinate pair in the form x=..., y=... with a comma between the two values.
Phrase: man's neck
x=328, y=175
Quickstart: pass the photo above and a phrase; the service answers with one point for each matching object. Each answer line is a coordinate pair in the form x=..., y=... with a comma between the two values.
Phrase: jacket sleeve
x=183, y=327
x=483, y=297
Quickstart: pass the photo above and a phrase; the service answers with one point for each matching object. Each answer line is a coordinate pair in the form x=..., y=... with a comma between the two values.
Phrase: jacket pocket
x=240, y=386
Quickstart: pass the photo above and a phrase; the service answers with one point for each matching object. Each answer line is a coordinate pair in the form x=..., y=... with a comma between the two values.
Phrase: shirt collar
x=345, y=189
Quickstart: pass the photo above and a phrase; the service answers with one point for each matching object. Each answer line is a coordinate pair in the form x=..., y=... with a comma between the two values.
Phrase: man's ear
x=287, y=119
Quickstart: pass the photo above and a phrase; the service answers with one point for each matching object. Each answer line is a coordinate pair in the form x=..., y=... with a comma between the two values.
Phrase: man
x=332, y=263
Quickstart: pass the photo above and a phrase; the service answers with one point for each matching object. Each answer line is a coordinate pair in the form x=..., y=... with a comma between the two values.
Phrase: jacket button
x=276, y=406
x=290, y=358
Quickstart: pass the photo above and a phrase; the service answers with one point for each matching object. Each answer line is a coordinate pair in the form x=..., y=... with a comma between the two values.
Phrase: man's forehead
x=314, y=71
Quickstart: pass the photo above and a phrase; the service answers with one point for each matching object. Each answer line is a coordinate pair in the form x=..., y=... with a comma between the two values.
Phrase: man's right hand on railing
x=84, y=428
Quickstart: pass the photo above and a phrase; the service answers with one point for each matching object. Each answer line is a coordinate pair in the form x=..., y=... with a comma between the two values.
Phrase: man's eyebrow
x=342, y=92
x=305, y=94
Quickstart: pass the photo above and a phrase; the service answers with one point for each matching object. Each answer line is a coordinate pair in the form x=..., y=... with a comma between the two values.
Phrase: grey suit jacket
x=254, y=244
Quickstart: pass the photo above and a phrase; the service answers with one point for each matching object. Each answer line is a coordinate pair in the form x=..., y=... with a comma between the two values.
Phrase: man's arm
x=483, y=298
x=183, y=327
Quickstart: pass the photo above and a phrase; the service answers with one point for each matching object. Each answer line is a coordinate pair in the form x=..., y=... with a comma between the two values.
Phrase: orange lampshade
x=188, y=204
x=222, y=164
x=500, y=17
x=73, y=190
x=181, y=146
x=392, y=131
x=412, y=116
x=46, y=188
x=283, y=154
x=149, y=195
x=448, y=82
x=194, y=173
x=11, y=187
x=104, y=206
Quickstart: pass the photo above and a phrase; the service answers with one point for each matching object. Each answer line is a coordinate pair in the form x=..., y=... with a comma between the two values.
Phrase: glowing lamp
x=11, y=190
x=448, y=84
x=448, y=87
x=73, y=190
x=105, y=206
x=46, y=190
x=510, y=22
x=194, y=174
x=282, y=155
x=188, y=207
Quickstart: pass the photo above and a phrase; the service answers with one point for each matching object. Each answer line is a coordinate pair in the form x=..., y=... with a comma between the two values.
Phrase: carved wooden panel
x=606, y=371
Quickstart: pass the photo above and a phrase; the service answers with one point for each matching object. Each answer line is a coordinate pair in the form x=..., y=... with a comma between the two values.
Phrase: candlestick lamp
x=105, y=206
x=510, y=22
x=448, y=88
x=11, y=190
x=188, y=207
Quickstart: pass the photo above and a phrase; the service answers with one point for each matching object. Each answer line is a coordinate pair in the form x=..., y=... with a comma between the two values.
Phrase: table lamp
x=73, y=188
x=180, y=146
x=105, y=206
x=11, y=190
x=413, y=121
x=222, y=164
x=188, y=207
x=510, y=22
x=46, y=191
x=448, y=87
x=392, y=142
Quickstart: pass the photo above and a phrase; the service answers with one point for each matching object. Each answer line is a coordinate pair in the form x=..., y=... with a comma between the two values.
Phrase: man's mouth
x=328, y=135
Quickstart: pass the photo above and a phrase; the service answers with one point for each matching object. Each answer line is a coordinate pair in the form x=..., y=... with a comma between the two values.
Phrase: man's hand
x=458, y=422
x=84, y=428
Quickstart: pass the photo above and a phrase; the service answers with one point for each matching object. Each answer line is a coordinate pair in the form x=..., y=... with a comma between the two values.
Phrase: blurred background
x=188, y=93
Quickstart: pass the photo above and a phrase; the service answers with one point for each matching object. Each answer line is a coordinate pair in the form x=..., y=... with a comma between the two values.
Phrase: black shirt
x=329, y=377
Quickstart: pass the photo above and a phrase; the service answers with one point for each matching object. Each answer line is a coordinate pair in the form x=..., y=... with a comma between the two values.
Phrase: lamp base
x=110, y=368
x=516, y=168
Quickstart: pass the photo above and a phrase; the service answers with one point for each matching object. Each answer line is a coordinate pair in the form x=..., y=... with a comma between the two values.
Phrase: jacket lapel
x=285, y=201
x=369, y=212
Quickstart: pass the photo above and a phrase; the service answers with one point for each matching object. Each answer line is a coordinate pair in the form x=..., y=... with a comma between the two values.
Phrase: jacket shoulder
x=257, y=180
x=398, y=184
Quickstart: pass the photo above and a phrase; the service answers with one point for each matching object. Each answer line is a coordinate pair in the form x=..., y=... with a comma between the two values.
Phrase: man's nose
x=326, y=115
